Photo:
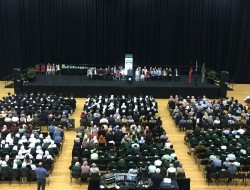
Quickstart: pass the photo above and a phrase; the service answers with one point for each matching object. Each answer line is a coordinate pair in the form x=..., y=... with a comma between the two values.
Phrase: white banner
x=128, y=63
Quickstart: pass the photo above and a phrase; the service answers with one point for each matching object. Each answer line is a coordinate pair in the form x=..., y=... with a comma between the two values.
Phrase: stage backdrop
x=100, y=32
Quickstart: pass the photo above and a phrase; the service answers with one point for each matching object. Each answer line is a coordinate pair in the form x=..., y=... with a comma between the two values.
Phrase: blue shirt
x=57, y=133
x=52, y=128
x=217, y=162
x=232, y=170
x=41, y=173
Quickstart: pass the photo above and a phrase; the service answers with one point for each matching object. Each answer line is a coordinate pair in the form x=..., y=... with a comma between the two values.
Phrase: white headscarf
x=8, y=138
x=14, y=166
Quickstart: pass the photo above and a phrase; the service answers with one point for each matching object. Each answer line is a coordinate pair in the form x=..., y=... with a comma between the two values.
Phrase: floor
x=61, y=181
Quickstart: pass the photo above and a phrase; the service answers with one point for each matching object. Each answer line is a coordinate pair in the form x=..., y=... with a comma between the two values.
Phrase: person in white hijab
x=46, y=153
x=33, y=167
x=15, y=147
x=11, y=142
x=32, y=138
x=141, y=141
x=48, y=138
x=22, y=150
x=24, y=139
x=41, y=136
x=50, y=157
x=8, y=138
x=4, y=164
x=2, y=143
x=21, y=156
x=14, y=166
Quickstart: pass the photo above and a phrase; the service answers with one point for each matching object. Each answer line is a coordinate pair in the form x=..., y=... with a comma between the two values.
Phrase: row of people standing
x=141, y=74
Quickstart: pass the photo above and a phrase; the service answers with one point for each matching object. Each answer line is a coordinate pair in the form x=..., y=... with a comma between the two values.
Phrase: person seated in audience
x=151, y=168
x=102, y=140
x=85, y=167
x=7, y=160
x=14, y=169
x=226, y=164
x=94, y=169
x=232, y=170
x=164, y=137
x=27, y=160
x=93, y=143
x=4, y=131
x=76, y=168
x=180, y=169
x=4, y=167
x=25, y=169
x=133, y=170
x=94, y=155
x=171, y=170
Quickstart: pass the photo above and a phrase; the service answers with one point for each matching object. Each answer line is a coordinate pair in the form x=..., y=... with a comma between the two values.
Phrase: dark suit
x=156, y=180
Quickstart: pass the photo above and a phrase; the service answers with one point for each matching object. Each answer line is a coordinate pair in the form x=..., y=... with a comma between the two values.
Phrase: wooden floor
x=61, y=181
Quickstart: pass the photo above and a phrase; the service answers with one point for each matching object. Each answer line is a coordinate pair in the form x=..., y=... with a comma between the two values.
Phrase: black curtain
x=100, y=32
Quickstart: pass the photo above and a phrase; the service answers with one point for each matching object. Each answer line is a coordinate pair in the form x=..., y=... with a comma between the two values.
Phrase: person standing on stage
x=41, y=174
x=203, y=73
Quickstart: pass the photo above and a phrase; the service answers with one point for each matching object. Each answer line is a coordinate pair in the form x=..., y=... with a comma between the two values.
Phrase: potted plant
x=211, y=75
x=31, y=73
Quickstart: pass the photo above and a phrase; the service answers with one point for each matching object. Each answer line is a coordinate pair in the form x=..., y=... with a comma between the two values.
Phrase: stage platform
x=81, y=86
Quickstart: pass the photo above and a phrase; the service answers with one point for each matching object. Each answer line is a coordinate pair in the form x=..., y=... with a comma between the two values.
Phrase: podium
x=130, y=77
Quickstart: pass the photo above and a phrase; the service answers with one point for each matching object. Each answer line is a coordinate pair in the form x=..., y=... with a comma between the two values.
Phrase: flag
x=203, y=69
x=190, y=75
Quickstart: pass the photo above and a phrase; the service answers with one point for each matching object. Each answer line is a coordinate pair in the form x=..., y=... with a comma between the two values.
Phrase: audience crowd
x=23, y=145
x=123, y=134
x=217, y=133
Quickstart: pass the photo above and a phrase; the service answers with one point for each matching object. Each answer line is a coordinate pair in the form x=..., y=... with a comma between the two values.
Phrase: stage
x=81, y=86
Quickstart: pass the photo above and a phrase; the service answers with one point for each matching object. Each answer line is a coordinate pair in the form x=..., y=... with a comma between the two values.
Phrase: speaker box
x=223, y=84
x=17, y=73
x=17, y=80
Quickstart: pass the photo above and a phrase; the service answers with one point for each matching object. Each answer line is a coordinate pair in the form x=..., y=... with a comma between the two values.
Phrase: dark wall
x=100, y=32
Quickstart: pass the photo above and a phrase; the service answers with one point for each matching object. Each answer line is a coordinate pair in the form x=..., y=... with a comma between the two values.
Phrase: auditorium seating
x=138, y=146
x=37, y=109
x=218, y=133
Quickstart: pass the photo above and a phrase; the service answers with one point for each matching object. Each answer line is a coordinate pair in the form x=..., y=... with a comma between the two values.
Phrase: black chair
x=94, y=184
x=181, y=175
x=213, y=176
x=94, y=176
x=247, y=178
x=223, y=176
x=71, y=124
x=6, y=176
x=15, y=176
x=75, y=175
x=24, y=177
x=85, y=177
x=240, y=177
x=171, y=175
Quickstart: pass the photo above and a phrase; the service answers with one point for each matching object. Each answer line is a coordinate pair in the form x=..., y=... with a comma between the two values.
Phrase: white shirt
x=151, y=169
x=157, y=162
x=241, y=131
x=171, y=170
